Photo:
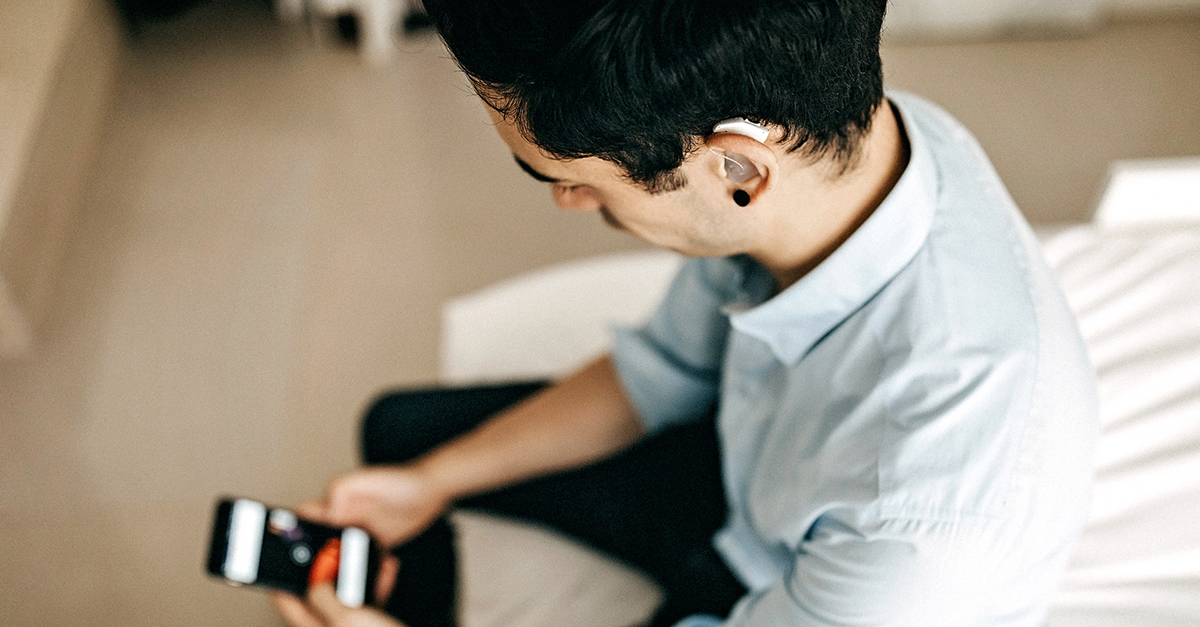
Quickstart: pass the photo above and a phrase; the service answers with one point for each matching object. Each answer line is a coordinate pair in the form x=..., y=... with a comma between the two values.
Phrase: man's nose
x=576, y=197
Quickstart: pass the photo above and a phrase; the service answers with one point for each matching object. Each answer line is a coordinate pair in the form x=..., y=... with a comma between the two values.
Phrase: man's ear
x=744, y=166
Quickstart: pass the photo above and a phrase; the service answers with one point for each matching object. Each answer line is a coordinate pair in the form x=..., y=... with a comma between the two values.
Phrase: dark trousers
x=655, y=506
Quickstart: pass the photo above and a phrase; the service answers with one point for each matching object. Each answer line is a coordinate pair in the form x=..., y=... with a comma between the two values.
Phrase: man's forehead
x=544, y=167
x=523, y=150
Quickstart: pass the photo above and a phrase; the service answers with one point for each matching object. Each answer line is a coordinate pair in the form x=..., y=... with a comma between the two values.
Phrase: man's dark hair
x=640, y=83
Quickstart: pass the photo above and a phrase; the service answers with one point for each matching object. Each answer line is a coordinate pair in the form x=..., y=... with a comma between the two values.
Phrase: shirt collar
x=793, y=321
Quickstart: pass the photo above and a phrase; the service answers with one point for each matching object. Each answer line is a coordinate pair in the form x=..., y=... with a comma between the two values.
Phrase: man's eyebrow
x=534, y=173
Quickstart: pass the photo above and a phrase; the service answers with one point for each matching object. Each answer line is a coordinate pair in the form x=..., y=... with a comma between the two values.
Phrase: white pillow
x=545, y=323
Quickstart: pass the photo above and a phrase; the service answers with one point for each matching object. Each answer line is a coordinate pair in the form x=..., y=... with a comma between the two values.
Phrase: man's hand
x=393, y=503
x=324, y=610
x=580, y=420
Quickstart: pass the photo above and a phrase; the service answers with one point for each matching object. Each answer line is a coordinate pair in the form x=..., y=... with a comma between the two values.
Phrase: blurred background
x=226, y=225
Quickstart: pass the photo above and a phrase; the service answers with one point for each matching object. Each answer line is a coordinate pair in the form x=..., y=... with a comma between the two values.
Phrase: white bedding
x=1137, y=295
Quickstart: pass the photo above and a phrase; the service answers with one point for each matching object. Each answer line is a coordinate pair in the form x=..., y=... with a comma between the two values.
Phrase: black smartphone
x=254, y=544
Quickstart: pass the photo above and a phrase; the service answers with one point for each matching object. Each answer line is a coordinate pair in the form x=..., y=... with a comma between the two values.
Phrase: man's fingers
x=295, y=611
x=343, y=504
x=324, y=600
x=389, y=567
x=317, y=510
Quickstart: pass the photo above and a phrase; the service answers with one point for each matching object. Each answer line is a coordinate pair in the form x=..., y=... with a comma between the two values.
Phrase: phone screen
x=260, y=545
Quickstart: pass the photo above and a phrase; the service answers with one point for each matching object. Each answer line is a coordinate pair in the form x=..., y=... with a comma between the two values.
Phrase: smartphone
x=254, y=544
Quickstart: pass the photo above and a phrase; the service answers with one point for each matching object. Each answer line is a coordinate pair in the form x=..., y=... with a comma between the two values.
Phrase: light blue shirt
x=907, y=432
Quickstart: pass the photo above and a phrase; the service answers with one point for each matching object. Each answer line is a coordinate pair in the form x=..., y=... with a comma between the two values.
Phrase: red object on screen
x=325, y=565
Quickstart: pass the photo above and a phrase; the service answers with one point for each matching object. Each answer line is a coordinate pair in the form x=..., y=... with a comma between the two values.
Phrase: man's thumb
x=324, y=600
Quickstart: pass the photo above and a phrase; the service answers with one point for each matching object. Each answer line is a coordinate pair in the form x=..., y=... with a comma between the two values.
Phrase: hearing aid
x=738, y=168
x=742, y=126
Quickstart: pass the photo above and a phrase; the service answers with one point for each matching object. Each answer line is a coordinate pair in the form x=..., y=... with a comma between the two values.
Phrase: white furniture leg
x=377, y=21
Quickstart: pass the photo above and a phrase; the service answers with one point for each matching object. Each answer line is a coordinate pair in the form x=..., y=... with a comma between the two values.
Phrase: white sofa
x=1136, y=291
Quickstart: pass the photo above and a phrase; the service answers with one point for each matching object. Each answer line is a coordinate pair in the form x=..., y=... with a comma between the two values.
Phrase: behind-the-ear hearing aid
x=742, y=126
x=738, y=168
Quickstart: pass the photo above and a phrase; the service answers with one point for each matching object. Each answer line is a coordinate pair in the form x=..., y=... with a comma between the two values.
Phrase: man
x=864, y=401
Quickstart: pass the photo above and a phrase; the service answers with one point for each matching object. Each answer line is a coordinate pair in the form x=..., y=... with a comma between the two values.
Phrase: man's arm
x=579, y=420
x=582, y=419
x=893, y=573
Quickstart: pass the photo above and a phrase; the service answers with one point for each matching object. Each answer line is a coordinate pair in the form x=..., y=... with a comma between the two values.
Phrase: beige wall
x=1053, y=112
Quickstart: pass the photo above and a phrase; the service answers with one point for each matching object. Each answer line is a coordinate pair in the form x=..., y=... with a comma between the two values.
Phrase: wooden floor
x=269, y=235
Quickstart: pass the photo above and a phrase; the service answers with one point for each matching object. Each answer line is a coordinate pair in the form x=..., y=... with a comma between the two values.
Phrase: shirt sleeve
x=903, y=573
x=671, y=366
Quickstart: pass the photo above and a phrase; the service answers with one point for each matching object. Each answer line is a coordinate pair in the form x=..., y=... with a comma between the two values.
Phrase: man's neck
x=829, y=206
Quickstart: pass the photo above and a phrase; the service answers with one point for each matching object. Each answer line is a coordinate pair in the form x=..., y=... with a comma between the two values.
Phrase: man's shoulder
x=979, y=350
x=976, y=275
x=935, y=124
